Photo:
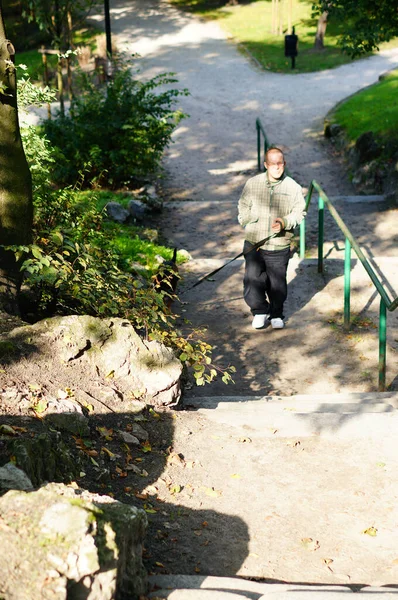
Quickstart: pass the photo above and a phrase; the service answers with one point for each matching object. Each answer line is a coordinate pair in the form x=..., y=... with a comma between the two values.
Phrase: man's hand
x=277, y=225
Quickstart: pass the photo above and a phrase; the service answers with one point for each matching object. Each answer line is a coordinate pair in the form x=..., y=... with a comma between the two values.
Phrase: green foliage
x=24, y=35
x=55, y=18
x=29, y=94
x=370, y=23
x=77, y=265
x=115, y=138
x=372, y=109
x=250, y=24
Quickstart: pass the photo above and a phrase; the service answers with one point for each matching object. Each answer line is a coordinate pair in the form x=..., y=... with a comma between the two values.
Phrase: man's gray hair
x=272, y=149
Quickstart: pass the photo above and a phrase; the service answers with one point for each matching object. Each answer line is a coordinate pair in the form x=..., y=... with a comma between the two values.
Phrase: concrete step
x=345, y=415
x=195, y=587
x=357, y=199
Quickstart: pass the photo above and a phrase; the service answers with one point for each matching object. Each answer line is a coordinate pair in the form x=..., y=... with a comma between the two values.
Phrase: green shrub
x=76, y=266
x=117, y=136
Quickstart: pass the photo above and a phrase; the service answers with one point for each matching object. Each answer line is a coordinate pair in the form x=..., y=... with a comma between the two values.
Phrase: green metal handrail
x=260, y=130
x=350, y=243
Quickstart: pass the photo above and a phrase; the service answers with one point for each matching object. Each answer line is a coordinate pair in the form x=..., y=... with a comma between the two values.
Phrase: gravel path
x=256, y=499
x=213, y=154
x=216, y=147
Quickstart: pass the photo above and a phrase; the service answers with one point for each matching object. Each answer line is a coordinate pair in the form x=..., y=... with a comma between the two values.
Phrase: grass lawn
x=250, y=25
x=34, y=61
x=136, y=244
x=371, y=109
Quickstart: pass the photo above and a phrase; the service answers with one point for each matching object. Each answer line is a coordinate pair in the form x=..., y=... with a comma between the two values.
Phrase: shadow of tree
x=178, y=539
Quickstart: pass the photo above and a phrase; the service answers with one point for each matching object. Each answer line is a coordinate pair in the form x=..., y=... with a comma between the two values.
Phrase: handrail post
x=258, y=145
x=382, y=345
x=321, y=210
x=302, y=239
x=347, y=284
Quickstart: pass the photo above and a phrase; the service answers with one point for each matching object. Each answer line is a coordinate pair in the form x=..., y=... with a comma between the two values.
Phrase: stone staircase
x=191, y=587
x=311, y=387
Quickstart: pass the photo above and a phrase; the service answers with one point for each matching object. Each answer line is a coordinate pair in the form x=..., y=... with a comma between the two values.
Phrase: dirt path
x=213, y=154
x=246, y=498
x=216, y=146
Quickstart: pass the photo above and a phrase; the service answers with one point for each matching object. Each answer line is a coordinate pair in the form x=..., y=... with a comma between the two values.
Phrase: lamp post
x=108, y=39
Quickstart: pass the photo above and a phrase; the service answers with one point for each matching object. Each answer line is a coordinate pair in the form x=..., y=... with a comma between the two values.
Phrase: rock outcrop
x=63, y=542
x=120, y=365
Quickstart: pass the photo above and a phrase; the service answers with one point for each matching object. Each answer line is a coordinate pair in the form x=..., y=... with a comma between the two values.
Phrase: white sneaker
x=277, y=323
x=259, y=321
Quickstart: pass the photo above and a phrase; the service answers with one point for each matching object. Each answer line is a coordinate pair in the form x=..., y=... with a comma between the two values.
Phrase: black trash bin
x=291, y=47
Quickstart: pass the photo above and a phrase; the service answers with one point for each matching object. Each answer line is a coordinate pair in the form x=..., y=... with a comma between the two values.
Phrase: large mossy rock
x=65, y=543
x=114, y=362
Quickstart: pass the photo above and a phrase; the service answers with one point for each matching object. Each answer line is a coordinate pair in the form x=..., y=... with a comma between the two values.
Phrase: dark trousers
x=264, y=283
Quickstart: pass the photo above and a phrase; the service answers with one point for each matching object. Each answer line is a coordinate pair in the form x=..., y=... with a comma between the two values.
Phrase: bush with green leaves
x=75, y=266
x=115, y=136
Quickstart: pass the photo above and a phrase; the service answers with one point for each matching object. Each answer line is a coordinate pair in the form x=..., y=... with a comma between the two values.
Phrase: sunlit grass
x=372, y=109
x=250, y=24
x=134, y=243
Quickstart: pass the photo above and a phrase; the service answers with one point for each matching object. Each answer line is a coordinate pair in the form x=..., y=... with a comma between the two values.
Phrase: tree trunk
x=16, y=207
x=321, y=30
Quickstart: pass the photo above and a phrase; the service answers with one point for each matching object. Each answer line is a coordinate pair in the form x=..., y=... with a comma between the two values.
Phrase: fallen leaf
x=175, y=459
x=40, y=407
x=150, y=511
x=34, y=387
x=134, y=468
x=244, y=440
x=21, y=429
x=109, y=453
x=66, y=393
x=395, y=561
x=154, y=414
x=141, y=496
x=310, y=544
x=372, y=531
x=235, y=476
x=213, y=493
x=205, y=524
x=105, y=433
x=190, y=464
x=197, y=532
x=110, y=375
x=159, y=564
x=120, y=472
x=91, y=452
x=175, y=489
x=328, y=562
x=254, y=555
x=146, y=447
x=151, y=489
x=7, y=430
x=128, y=489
